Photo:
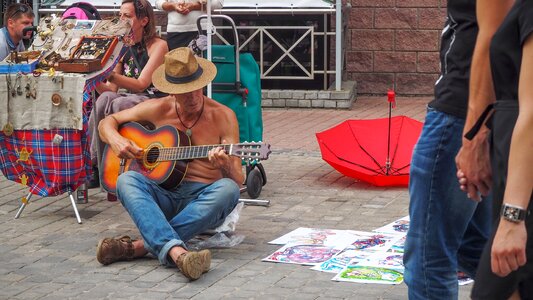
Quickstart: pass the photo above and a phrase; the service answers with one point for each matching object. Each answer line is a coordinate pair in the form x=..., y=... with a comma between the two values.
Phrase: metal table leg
x=73, y=202
x=25, y=201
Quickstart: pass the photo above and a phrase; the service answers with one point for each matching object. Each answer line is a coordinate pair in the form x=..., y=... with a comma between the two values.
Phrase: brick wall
x=394, y=44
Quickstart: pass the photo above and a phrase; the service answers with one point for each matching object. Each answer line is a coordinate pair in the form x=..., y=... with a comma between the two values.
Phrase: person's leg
x=209, y=207
x=97, y=114
x=439, y=211
x=180, y=39
x=150, y=208
x=163, y=216
x=475, y=237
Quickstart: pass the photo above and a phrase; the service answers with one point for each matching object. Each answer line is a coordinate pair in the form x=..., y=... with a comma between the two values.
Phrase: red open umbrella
x=377, y=151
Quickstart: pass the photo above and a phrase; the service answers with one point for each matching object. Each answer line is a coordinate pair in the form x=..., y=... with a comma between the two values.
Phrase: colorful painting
x=363, y=274
x=313, y=236
x=399, y=246
x=384, y=260
x=372, y=241
x=302, y=254
x=399, y=226
x=342, y=259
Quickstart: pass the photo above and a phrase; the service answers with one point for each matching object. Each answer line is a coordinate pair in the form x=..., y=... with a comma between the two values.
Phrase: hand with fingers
x=182, y=8
x=508, y=251
x=219, y=158
x=473, y=167
x=125, y=148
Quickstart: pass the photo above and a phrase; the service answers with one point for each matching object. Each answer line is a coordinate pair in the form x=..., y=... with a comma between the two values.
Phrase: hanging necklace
x=188, y=132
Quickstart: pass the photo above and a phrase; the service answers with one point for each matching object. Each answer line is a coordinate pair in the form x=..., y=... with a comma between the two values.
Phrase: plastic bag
x=221, y=237
x=231, y=220
x=219, y=240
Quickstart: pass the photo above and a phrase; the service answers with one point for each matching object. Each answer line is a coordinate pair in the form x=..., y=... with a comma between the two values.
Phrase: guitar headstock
x=251, y=151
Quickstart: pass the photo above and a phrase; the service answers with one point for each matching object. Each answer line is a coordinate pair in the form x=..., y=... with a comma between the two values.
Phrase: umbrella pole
x=387, y=163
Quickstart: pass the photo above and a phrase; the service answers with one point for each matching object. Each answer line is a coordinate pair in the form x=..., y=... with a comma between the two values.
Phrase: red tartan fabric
x=49, y=168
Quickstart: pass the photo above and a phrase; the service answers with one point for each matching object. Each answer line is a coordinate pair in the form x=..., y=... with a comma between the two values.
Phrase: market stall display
x=44, y=111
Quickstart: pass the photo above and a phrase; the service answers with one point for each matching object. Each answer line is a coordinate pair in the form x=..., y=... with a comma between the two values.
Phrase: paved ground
x=46, y=255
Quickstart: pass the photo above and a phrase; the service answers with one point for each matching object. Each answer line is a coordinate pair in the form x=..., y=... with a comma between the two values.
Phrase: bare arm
x=473, y=160
x=509, y=246
x=150, y=111
x=138, y=85
x=230, y=166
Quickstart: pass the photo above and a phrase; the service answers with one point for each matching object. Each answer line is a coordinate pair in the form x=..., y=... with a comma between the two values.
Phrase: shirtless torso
x=210, y=123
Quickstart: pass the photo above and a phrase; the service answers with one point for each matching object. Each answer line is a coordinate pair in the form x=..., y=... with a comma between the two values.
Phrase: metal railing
x=303, y=35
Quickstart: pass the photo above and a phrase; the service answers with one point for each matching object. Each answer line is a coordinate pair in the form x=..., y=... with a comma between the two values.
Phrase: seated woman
x=133, y=73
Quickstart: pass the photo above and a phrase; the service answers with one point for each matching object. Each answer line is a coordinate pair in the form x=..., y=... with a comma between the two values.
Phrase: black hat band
x=185, y=79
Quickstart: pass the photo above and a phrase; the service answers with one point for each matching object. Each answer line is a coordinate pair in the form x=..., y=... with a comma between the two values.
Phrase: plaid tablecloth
x=51, y=162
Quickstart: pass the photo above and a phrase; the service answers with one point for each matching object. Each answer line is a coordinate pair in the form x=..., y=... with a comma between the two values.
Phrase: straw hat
x=183, y=72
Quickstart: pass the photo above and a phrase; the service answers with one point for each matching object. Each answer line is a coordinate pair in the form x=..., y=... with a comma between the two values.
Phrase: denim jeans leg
x=208, y=208
x=150, y=208
x=169, y=218
x=441, y=215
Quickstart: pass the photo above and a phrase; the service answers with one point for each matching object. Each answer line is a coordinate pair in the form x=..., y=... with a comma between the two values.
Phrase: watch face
x=512, y=213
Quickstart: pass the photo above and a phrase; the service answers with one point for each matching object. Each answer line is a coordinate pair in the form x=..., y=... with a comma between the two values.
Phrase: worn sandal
x=110, y=250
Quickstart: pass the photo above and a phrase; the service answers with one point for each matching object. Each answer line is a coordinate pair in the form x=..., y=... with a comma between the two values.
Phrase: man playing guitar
x=166, y=218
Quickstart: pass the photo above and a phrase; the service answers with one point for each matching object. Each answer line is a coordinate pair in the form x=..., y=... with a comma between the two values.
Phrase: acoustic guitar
x=167, y=152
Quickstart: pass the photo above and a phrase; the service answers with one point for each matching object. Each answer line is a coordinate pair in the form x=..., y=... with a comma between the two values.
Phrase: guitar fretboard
x=190, y=152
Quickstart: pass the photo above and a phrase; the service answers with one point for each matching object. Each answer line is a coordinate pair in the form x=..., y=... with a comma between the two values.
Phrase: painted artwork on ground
x=386, y=260
x=315, y=236
x=374, y=241
x=342, y=259
x=364, y=274
x=399, y=226
x=302, y=254
x=399, y=246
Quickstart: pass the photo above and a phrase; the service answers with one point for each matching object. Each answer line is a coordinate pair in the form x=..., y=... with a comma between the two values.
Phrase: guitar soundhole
x=152, y=155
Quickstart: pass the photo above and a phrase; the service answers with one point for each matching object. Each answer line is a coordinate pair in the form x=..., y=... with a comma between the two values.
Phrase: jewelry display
x=57, y=139
x=15, y=57
x=111, y=27
x=10, y=87
x=91, y=54
x=8, y=129
x=31, y=90
x=17, y=84
x=56, y=99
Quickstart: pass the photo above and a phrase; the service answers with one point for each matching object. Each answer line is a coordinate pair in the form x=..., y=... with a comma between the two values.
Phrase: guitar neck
x=189, y=152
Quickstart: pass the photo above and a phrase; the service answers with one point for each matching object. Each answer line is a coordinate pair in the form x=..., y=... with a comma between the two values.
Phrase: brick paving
x=46, y=255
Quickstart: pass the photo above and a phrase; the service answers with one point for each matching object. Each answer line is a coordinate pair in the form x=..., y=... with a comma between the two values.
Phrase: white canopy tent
x=229, y=3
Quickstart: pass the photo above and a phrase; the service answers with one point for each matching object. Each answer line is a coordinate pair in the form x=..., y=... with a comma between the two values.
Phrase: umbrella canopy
x=363, y=149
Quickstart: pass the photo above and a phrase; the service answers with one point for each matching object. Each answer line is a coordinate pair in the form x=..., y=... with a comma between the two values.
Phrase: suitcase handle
x=235, y=38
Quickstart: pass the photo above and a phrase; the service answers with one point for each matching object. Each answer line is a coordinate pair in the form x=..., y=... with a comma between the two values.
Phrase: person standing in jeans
x=447, y=232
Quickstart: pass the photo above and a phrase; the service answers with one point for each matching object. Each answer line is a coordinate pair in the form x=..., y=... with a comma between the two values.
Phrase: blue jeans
x=168, y=218
x=447, y=231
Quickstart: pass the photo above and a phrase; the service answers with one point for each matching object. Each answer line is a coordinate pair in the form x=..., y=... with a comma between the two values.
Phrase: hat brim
x=160, y=82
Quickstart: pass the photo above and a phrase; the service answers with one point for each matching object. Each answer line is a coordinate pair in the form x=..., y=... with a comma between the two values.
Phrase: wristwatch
x=513, y=213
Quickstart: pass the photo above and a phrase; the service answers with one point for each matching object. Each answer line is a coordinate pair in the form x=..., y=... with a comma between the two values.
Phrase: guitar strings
x=189, y=150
